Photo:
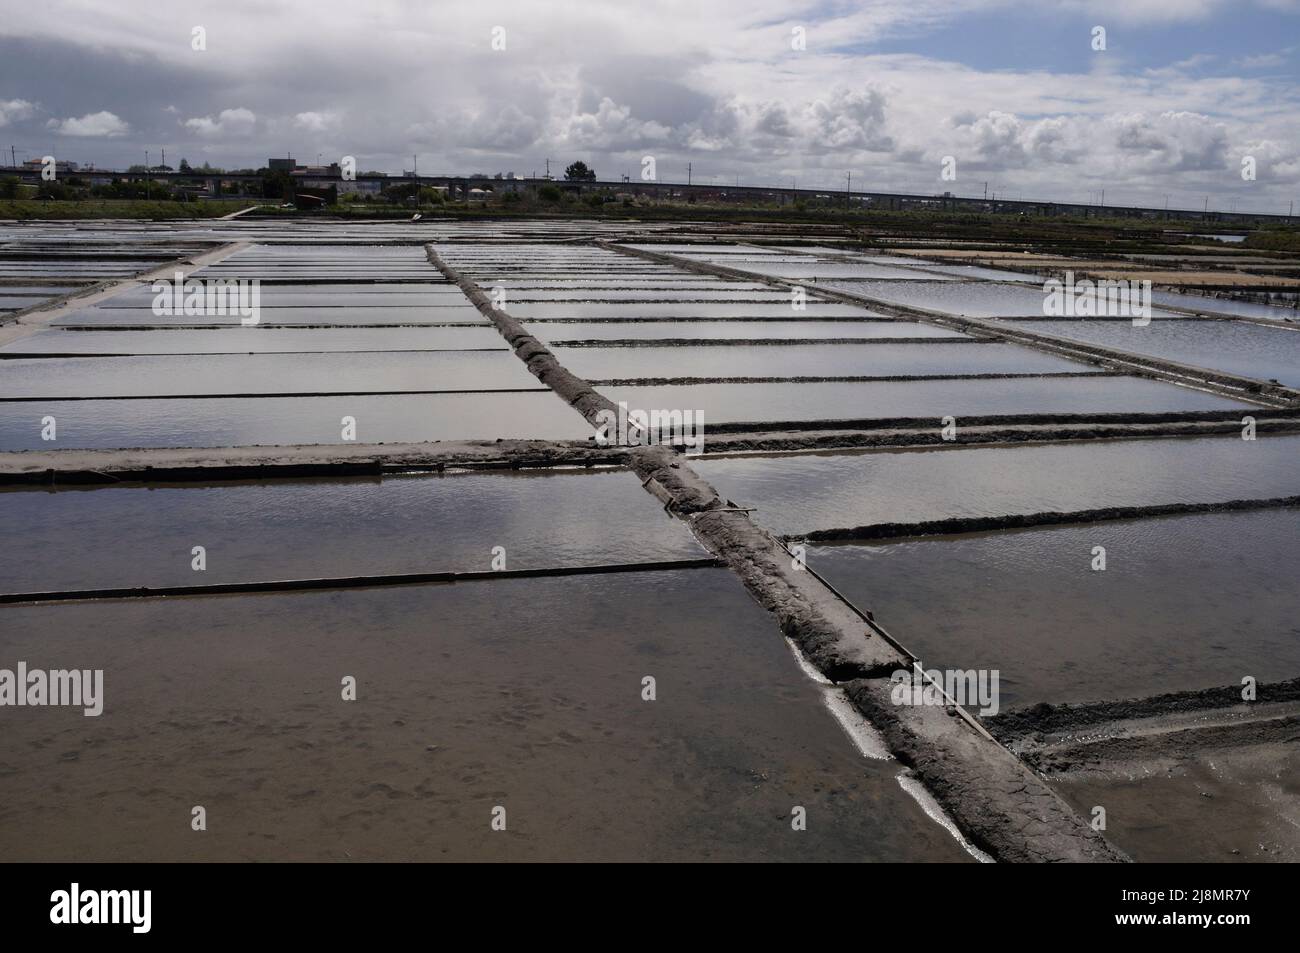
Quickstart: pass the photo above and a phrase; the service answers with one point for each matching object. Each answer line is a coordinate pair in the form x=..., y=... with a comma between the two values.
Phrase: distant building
x=282, y=165
x=60, y=166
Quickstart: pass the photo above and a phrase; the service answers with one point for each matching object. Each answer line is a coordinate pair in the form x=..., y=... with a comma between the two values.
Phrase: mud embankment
x=1001, y=806
x=983, y=524
x=539, y=360
x=1107, y=737
x=162, y=465
x=1044, y=719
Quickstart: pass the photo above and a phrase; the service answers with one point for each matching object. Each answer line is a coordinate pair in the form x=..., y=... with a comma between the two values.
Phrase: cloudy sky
x=1012, y=90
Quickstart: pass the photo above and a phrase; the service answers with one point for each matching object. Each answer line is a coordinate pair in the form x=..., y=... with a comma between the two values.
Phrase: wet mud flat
x=1221, y=762
x=525, y=695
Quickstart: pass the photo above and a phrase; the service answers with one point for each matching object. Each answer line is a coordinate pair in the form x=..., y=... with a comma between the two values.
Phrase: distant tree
x=578, y=172
x=548, y=193
x=9, y=187
x=185, y=165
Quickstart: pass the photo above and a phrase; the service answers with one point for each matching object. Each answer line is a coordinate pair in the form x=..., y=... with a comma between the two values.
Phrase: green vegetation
x=33, y=209
x=1275, y=238
x=578, y=172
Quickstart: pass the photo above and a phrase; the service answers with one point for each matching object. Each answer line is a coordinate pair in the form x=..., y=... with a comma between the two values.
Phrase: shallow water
x=232, y=422
x=289, y=296
x=144, y=317
x=800, y=493
x=263, y=373
x=1209, y=305
x=555, y=331
x=687, y=309
x=979, y=273
x=257, y=340
x=815, y=270
x=142, y=536
x=837, y=401
x=1185, y=603
x=631, y=295
x=1237, y=347
x=810, y=360
x=524, y=694
x=974, y=299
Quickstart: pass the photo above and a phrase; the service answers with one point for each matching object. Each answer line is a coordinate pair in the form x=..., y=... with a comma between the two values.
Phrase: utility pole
x=986, y=191
x=688, y=173
x=548, y=168
x=848, y=187
x=13, y=157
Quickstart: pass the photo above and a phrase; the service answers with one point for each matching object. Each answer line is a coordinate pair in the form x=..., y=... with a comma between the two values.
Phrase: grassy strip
x=36, y=209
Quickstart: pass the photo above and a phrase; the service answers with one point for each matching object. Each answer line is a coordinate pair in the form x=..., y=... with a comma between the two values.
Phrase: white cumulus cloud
x=228, y=123
x=102, y=124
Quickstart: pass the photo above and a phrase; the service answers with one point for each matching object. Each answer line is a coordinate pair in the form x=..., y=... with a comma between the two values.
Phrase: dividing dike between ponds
x=996, y=801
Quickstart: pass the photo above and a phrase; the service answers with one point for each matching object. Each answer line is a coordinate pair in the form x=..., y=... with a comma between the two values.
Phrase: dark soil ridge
x=48, y=468
x=999, y=804
x=760, y=342
x=975, y=437
x=993, y=420
x=982, y=524
x=1184, y=743
x=1045, y=719
x=836, y=379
